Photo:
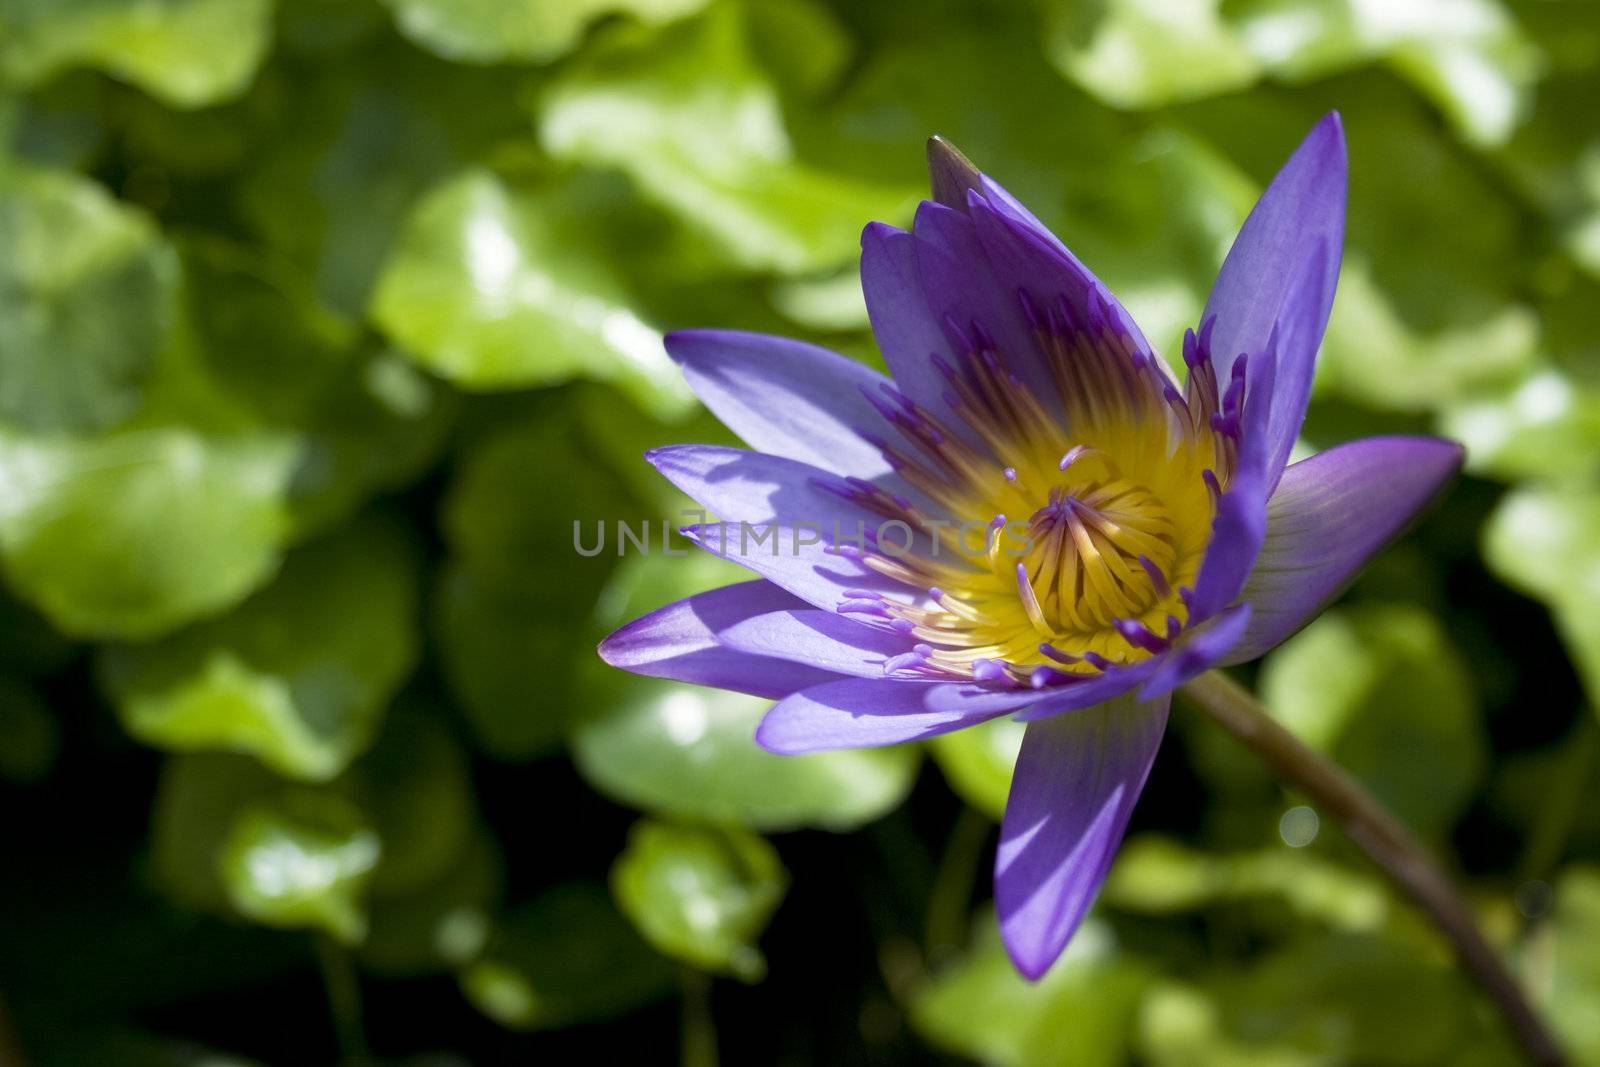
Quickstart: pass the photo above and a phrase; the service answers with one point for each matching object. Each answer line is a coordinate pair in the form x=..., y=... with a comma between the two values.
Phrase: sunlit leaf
x=701, y=893
x=1574, y=976
x=494, y=31
x=301, y=863
x=1468, y=56
x=298, y=676
x=86, y=299
x=1384, y=691
x=136, y=533
x=495, y=288
x=565, y=957
x=187, y=52
x=977, y=762
x=683, y=750
x=982, y=1008
x=1543, y=542
x=691, y=118
x=1156, y=876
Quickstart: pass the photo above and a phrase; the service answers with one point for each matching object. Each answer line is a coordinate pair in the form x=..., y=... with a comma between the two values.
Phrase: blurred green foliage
x=321, y=321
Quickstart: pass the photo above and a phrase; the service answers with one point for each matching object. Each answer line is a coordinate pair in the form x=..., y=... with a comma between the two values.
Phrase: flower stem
x=1384, y=839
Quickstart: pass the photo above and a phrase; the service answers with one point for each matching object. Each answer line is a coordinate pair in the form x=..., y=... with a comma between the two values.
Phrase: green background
x=321, y=321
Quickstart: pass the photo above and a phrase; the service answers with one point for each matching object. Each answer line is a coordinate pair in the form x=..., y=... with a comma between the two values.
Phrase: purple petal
x=1283, y=268
x=679, y=642
x=1200, y=649
x=864, y=713
x=756, y=487
x=1237, y=531
x=788, y=557
x=1028, y=258
x=1330, y=515
x=787, y=397
x=969, y=287
x=821, y=639
x=1074, y=786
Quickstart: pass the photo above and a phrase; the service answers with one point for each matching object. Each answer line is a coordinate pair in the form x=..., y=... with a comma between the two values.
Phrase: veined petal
x=1027, y=258
x=1330, y=514
x=821, y=639
x=1282, y=268
x=788, y=398
x=679, y=641
x=755, y=487
x=865, y=713
x=795, y=559
x=1200, y=649
x=1073, y=789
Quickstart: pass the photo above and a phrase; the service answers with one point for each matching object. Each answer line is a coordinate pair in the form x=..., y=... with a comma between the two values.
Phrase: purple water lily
x=1054, y=527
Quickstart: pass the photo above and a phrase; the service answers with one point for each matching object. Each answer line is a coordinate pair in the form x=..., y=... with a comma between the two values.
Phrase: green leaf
x=1156, y=876
x=189, y=53
x=687, y=751
x=197, y=801
x=438, y=927
x=416, y=789
x=494, y=31
x=1384, y=691
x=689, y=116
x=982, y=1008
x=1324, y=999
x=1542, y=541
x=1544, y=426
x=565, y=957
x=301, y=863
x=86, y=300
x=1573, y=941
x=515, y=598
x=1140, y=54
x=496, y=288
x=1469, y=57
x=134, y=534
x=977, y=762
x=701, y=893
x=298, y=676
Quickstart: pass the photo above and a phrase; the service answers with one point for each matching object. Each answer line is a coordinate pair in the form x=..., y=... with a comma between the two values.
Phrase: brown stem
x=1384, y=839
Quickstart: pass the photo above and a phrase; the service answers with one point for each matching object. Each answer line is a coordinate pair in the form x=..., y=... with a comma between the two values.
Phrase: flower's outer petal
x=868, y=712
x=951, y=173
x=821, y=639
x=755, y=487
x=788, y=398
x=1298, y=221
x=1330, y=514
x=1198, y=651
x=679, y=642
x=1087, y=690
x=794, y=558
x=1074, y=786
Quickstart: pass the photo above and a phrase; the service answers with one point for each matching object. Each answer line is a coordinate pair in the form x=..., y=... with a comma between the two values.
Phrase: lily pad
x=700, y=893
x=87, y=289
x=497, y=288
x=687, y=751
x=299, y=676
x=188, y=53
x=136, y=533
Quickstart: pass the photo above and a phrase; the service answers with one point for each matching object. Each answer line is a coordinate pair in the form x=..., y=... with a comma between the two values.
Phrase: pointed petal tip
x=952, y=174
x=1028, y=956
